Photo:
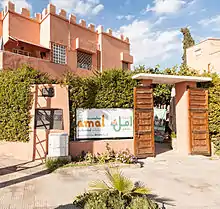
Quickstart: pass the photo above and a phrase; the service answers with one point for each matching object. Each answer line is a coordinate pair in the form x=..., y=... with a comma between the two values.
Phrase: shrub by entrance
x=15, y=102
x=111, y=89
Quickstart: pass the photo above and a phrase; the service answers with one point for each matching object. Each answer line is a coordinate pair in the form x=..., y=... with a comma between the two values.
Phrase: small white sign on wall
x=104, y=123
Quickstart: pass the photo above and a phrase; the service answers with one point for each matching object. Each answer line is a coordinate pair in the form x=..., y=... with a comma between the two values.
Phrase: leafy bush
x=111, y=89
x=118, y=193
x=115, y=89
x=214, y=111
x=95, y=200
x=142, y=203
x=214, y=108
x=16, y=100
x=108, y=156
x=53, y=164
x=125, y=157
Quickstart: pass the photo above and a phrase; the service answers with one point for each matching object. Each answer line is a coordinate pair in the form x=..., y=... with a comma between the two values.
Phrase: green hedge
x=111, y=89
x=15, y=102
x=114, y=89
x=214, y=109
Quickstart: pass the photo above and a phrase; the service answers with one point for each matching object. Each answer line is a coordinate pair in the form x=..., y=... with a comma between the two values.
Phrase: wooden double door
x=198, y=120
x=144, y=122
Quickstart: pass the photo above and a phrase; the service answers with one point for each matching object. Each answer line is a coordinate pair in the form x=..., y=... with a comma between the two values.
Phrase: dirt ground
x=179, y=182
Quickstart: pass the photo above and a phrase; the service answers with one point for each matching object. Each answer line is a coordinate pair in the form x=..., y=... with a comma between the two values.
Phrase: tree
x=187, y=42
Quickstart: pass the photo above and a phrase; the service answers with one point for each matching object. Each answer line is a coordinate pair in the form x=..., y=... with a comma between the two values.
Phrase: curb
x=98, y=167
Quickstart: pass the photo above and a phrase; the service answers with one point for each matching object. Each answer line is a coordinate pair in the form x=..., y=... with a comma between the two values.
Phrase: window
x=49, y=119
x=198, y=52
x=124, y=65
x=84, y=60
x=22, y=52
x=58, y=54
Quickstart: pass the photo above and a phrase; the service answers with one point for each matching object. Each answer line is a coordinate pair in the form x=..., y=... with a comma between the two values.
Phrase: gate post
x=144, y=120
x=182, y=117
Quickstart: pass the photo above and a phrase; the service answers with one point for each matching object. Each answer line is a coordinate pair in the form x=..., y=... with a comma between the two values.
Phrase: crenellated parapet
x=51, y=9
x=109, y=32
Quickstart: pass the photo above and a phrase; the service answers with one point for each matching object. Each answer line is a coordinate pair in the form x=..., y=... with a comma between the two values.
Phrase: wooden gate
x=198, y=118
x=143, y=122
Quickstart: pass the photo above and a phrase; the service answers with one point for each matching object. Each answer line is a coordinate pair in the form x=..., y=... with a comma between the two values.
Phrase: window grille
x=58, y=54
x=22, y=52
x=49, y=119
x=84, y=60
x=124, y=65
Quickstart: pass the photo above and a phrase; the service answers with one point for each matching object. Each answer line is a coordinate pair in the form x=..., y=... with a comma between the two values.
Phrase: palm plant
x=117, y=182
x=119, y=192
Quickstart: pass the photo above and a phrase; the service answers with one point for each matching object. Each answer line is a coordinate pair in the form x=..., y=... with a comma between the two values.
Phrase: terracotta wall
x=6, y=28
x=45, y=32
x=52, y=27
x=1, y=27
x=59, y=101
x=24, y=28
x=99, y=146
x=36, y=148
x=111, y=49
x=182, y=117
x=58, y=25
x=11, y=60
x=17, y=150
x=68, y=38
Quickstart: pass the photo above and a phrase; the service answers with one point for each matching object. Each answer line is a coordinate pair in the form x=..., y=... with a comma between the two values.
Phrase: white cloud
x=192, y=2
x=166, y=6
x=127, y=17
x=19, y=4
x=148, y=45
x=81, y=7
x=160, y=20
x=192, y=12
x=211, y=20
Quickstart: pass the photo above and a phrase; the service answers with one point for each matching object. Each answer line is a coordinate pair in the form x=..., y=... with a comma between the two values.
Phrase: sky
x=153, y=26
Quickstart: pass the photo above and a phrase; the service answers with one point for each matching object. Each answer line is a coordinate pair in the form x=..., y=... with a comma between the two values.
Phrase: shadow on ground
x=68, y=206
x=23, y=178
x=162, y=200
x=17, y=167
x=161, y=148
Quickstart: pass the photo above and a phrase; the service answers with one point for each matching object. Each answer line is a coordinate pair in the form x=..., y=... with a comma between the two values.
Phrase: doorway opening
x=165, y=122
x=154, y=134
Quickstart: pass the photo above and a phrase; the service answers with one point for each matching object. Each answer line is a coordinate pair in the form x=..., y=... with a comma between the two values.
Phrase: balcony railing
x=14, y=61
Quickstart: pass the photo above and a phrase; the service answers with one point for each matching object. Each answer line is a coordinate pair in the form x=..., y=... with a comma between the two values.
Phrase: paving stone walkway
x=179, y=182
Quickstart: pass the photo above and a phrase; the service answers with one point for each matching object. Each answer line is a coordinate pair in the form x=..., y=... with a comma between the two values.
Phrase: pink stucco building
x=205, y=56
x=53, y=43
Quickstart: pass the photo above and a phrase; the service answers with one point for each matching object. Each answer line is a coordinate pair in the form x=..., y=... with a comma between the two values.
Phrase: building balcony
x=10, y=60
x=85, y=45
x=125, y=57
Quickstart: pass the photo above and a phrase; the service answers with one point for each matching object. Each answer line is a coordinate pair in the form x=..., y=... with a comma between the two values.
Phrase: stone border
x=98, y=167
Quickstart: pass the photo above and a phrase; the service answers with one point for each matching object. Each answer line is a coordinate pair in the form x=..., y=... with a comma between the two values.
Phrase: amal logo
x=92, y=122
x=99, y=122
x=118, y=124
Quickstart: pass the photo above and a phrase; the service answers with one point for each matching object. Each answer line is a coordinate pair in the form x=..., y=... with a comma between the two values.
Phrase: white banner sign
x=104, y=123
